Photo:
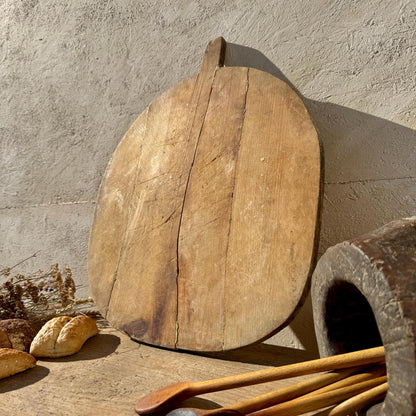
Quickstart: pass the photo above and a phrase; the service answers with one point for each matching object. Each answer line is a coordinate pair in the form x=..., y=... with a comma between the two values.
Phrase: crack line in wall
x=369, y=180
x=49, y=204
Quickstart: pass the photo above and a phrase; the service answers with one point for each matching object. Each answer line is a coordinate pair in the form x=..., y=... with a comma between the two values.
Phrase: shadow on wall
x=369, y=171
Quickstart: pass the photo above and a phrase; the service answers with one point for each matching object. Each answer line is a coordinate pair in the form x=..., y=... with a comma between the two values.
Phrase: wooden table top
x=112, y=372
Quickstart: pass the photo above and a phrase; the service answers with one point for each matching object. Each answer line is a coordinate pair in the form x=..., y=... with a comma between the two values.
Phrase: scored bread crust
x=43, y=344
x=74, y=334
x=14, y=361
x=63, y=336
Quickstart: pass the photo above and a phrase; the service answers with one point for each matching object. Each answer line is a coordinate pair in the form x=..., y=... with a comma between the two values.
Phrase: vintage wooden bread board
x=204, y=232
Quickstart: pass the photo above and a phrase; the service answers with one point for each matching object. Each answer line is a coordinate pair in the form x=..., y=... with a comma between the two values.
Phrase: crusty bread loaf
x=4, y=339
x=43, y=344
x=14, y=361
x=19, y=332
x=63, y=336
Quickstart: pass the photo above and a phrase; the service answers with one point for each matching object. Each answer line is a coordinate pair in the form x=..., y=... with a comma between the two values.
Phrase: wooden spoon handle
x=214, y=55
x=369, y=374
x=292, y=391
x=302, y=404
x=360, y=401
x=336, y=362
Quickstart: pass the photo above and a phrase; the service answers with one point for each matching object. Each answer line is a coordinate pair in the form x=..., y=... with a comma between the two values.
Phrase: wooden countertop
x=112, y=372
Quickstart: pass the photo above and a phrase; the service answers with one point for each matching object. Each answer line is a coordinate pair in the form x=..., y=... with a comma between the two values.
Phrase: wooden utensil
x=302, y=405
x=168, y=397
x=360, y=401
x=272, y=398
x=373, y=372
x=205, y=225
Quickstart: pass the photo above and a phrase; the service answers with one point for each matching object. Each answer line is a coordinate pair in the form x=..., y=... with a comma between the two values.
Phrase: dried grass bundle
x=40, y=296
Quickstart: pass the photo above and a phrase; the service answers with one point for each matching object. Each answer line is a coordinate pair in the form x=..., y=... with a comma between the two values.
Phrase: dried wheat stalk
x=41, y=295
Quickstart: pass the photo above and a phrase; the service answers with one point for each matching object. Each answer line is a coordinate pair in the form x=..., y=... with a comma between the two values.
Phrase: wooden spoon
x=373, y=372
x=167, y=397
x=302, y=404
x=360, y=401
x=272, y=398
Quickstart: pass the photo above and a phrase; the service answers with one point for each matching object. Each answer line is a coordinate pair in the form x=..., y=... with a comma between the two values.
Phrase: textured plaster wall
x=75, y=75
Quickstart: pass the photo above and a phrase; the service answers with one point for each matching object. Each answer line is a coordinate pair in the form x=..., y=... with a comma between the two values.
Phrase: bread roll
x=63, y=336
x=14, y=361
x=19, y=332
x=4, y=339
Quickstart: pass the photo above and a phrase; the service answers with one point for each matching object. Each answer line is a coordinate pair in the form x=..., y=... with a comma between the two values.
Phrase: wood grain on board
x=204, y=231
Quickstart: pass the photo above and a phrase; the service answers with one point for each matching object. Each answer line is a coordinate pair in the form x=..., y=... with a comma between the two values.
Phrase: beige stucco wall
x=75, y=75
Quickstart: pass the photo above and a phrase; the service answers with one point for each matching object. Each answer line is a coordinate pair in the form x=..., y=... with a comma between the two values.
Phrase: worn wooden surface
x=205, y=226
x=364, y=294
x=112, y=372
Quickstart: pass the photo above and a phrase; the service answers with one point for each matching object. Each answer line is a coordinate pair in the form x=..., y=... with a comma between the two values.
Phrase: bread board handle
x=214, y=55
